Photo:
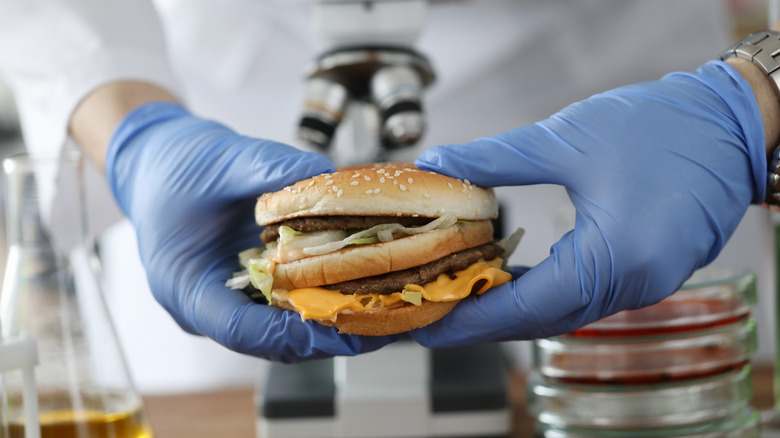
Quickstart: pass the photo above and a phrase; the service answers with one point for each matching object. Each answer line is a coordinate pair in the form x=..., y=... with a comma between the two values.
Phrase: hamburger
x=375, y=250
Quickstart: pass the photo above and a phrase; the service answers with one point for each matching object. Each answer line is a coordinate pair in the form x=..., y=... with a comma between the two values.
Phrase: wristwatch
x=763, y=49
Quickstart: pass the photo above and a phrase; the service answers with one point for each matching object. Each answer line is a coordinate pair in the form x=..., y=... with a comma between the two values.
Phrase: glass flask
x=50, y=292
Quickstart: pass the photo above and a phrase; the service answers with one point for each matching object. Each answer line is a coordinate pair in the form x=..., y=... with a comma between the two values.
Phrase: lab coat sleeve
x=54, y=52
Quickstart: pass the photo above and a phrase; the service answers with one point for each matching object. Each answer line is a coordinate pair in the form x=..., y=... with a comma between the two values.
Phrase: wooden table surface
x=232, y=413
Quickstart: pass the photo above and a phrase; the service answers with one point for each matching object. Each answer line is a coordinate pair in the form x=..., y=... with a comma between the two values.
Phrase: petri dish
x=711, y=297
x=602, y=406
x=647, y=359
x=745, y=425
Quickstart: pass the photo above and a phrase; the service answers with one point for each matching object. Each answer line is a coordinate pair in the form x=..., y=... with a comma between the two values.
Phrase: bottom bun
x=386, y=321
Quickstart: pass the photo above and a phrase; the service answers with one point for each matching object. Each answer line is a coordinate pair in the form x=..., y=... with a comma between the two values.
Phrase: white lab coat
x=501, y=64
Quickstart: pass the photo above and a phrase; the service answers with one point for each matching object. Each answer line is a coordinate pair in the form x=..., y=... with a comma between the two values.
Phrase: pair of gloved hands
x=660, y=174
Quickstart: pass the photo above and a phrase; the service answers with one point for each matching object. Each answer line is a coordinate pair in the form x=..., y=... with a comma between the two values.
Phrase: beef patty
x=396, y=281
x=323, y=223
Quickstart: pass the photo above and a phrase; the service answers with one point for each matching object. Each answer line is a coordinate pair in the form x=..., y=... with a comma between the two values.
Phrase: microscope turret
x=370, y=78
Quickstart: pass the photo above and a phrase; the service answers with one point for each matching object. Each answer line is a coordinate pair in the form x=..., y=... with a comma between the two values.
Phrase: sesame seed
x=340, y=193
x=408, y=169
x=463, y=189
x=403, y=187
x=382, y=179
x=415, y=215
x=288, y=188
x=410, y=180
x=432, y=172
x=369, y=192
x=355, y=175
x=328, y=176
x=376, y=190
x=471, y=187
x=329, y=183
x=426, y=195
x=381, y=171
x=395, y=181
x=470, y=196
x=354, y=183
x=366, y=177
x=466, y=181
x=398, y=172
x=311, y=183
x=449, y=184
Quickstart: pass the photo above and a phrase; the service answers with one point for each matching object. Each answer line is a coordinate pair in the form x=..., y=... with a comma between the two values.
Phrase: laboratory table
x=230, y=413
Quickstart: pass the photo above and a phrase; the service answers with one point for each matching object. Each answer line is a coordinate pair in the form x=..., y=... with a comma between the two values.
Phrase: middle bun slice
x=380, y=258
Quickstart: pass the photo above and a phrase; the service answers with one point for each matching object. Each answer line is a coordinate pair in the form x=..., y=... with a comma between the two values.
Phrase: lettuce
x=260, y=276
x=379, y=233
x=242, y=279
x=412, y=297
x=251, y=253
x=509, y=244
x=287, y=234
x=364, y=241
x=257, y=271
x=293, y=240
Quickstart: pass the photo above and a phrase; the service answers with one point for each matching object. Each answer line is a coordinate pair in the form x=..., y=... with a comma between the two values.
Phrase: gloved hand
x=189, y=187
x=660, y=174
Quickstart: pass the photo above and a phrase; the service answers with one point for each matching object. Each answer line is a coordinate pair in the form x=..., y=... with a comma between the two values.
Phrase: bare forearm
x=95, y=118
x=766, y=95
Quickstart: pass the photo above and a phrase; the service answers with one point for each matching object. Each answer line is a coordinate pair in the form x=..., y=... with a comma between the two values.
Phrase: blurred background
x=747, y=16
x=744, y=16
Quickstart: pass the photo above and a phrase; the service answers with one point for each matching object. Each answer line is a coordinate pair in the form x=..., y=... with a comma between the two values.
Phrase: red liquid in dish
x=669, y=316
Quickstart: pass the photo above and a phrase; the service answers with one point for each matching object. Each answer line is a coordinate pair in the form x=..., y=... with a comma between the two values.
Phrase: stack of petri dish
x=679, y=368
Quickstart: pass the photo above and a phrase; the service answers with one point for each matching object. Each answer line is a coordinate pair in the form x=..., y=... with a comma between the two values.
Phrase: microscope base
x=463, y=394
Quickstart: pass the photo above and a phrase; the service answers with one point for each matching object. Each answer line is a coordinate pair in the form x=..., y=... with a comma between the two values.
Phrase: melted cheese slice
x=320, y=303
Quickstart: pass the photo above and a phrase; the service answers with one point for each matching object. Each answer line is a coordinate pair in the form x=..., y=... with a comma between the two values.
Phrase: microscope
x=364, y=101
x=370, y=80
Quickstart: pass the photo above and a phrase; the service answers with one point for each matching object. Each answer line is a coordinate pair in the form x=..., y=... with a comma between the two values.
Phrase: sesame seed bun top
x=386, y=189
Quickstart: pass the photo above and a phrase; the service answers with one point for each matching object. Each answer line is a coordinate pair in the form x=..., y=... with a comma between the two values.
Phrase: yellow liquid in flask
x=87, y=423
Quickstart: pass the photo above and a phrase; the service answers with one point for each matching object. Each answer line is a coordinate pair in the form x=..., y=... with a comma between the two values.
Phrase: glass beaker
x=50, y=292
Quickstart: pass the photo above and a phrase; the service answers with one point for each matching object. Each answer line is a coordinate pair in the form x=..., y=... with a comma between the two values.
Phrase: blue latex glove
x=660, y=174
x=189, y=187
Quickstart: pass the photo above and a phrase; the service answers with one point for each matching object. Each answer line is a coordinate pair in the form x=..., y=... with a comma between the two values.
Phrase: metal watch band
x=763, y=49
